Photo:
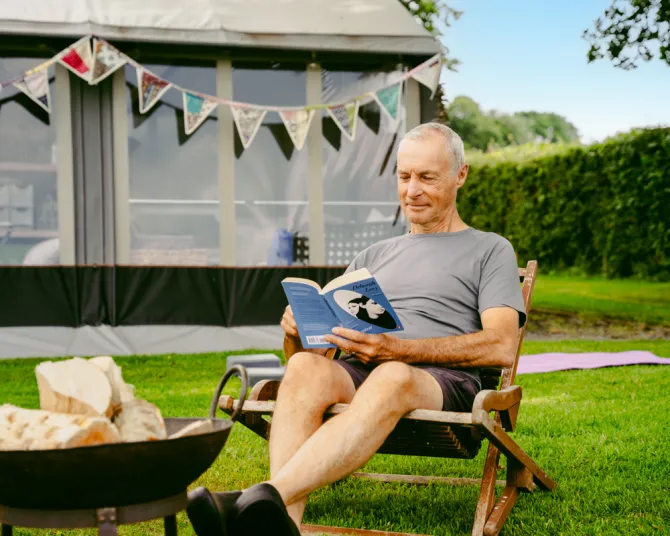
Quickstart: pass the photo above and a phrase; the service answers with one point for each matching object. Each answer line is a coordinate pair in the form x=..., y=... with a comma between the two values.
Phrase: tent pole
x=224, y=90
x=121, y=169
x=314, y=145
x=65, y=173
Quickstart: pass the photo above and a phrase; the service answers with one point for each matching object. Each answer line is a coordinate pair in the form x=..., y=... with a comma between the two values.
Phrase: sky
x=529, y=55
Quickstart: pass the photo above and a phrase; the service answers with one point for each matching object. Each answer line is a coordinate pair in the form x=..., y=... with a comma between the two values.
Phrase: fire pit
x=114, y=484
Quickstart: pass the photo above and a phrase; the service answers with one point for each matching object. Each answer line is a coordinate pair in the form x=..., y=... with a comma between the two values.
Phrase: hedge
x=598, y=209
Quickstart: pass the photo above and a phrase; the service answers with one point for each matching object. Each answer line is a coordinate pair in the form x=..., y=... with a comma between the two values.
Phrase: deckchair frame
x=444, y=434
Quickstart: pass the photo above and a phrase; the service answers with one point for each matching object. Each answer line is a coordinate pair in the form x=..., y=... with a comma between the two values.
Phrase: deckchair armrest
x=505, y=401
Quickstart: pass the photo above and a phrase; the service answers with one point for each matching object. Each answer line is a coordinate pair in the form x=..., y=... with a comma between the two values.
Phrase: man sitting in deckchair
x=456, y=291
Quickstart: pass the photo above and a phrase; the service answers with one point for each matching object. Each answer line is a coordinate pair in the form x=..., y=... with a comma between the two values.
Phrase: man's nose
x=414, y=187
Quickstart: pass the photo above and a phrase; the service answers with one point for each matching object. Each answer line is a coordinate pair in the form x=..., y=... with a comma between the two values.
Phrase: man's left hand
x=366, y=347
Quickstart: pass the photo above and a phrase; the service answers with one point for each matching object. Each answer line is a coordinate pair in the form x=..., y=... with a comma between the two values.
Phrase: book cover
x=354, y=301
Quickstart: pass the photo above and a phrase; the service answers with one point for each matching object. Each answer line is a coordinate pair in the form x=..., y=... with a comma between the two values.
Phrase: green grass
x=639, y=301
x=603, y=435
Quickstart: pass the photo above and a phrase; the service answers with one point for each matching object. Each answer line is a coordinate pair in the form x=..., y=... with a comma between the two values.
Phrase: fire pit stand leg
x=106, y=521
x=6, y=530
x=170, y=523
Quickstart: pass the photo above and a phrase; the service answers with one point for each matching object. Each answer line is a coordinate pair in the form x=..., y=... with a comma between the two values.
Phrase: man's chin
x=416, y=218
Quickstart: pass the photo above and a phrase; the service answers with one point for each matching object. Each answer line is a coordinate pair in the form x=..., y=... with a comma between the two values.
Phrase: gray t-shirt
x=440, y=283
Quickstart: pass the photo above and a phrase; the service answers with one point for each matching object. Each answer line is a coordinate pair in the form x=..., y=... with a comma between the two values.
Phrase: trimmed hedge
x=599, y=209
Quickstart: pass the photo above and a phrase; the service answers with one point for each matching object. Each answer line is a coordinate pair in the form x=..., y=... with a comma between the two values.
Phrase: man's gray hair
x=454, y=143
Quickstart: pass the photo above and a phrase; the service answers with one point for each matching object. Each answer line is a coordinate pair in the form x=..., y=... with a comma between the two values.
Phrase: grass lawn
x=603, y=435
x=639, y=301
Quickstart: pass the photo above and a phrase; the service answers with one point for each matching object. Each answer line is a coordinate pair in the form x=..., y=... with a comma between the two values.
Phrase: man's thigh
x=459, y=388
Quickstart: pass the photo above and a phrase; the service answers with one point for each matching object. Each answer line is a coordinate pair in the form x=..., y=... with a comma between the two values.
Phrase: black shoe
x=260, y=511
x=209, y=512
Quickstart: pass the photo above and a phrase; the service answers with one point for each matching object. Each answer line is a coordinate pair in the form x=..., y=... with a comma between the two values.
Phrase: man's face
x=427, y=184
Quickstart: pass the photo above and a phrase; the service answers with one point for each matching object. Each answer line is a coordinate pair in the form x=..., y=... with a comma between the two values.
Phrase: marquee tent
x=156, y=208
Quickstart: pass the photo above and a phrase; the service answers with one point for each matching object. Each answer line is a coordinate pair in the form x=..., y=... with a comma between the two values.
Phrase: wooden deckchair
x=444, y=434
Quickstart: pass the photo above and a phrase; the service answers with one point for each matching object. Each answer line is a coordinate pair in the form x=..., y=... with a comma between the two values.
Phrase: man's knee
x=388, y=386
x=393, y=377
x=305, y=366
x=312, y=376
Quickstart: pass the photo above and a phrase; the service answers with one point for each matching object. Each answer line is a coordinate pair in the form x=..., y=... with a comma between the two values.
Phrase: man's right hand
x=288, y=323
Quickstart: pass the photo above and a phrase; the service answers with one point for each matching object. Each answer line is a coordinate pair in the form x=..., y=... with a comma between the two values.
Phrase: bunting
x=429, y=73
x=36, y=86
x=94, y=59
x=248, y=121
x=345, y=116
x=151, y=89
x=196, y=110
x=389, y=101
x=106, y=60
x=78, y=59
x=297, y=123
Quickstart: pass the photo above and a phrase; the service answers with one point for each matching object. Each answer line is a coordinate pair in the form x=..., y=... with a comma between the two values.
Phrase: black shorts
x=459, y=387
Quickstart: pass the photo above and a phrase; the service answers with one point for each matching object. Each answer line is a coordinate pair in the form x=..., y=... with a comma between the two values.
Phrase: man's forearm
x=487, y=348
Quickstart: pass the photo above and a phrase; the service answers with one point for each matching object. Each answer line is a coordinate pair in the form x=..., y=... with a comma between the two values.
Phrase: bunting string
x=93, y=59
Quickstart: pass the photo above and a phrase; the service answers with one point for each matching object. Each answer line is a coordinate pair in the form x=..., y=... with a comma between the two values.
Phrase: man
x=456, y=291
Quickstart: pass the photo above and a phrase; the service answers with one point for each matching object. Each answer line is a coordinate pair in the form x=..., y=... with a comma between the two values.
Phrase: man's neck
x=451, y=223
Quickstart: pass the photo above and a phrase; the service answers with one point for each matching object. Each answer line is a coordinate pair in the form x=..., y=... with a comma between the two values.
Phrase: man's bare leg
x=346, y=442
x=312, y=383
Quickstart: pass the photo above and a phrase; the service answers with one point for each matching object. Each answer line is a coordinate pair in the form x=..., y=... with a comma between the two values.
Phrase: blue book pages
x=362, y=306
x=312, y=313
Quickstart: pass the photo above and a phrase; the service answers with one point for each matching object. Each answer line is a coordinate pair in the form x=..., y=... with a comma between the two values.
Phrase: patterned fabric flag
x=196, y=110
x=389, y=100
x=78, y=59
x=151, y=89
x=248, y=121
x=345, y=117
x=106, y=60
x=297, y=123
x=429, y=73
x=36, y=86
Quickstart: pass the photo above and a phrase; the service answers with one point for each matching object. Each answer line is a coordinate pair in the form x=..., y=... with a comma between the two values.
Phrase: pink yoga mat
x=531, y=364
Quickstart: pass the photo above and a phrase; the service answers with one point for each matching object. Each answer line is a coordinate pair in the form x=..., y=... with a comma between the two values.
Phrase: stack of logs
x=83, y=402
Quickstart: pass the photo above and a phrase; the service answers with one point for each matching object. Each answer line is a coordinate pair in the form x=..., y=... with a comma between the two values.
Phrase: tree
x=631, y=31
x=493, y=130
x=428, y=13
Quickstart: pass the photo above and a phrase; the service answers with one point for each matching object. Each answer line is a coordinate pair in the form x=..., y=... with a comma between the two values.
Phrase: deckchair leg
x=487, y=491
x=501, y=510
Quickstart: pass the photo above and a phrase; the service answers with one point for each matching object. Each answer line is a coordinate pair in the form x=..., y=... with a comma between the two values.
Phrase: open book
x=354, y=301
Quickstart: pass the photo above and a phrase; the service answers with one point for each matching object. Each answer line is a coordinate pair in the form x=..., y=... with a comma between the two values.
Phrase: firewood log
x=195, y=428
x=121, y=391
x=74, y=386
x=139, y=420
x=34, y=429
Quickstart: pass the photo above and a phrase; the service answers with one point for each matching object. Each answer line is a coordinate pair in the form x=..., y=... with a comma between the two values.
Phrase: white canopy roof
x=376, y=26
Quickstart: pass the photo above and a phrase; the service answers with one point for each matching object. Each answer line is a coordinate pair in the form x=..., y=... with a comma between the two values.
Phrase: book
x=354, y=301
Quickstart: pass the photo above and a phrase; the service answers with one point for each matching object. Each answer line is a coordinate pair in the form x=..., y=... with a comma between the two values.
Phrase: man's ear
x=462, y=175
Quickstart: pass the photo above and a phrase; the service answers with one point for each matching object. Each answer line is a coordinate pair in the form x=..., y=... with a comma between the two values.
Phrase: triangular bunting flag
x=106, y=60
x=151, y=88
x=389, y=100
x=248, y=121
x=196, y=110
x=78, y=59
x=36, y=86
x=297, y=123
x=429, y=73
x=345, y=117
